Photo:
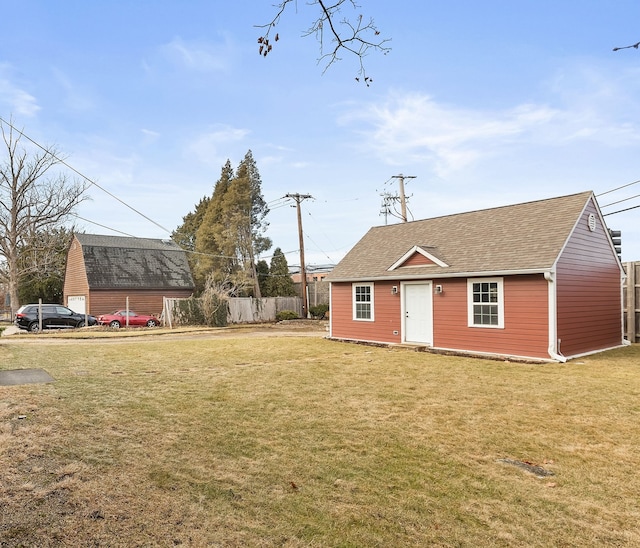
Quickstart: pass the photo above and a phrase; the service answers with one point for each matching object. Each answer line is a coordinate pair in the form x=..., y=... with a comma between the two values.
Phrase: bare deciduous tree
x=357, y=35
x=35, y=197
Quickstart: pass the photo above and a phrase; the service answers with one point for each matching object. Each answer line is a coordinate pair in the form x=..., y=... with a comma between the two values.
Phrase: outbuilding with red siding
x=539, y=280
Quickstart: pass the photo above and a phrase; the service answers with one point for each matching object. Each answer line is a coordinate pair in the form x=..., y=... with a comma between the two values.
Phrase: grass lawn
x=298, y=441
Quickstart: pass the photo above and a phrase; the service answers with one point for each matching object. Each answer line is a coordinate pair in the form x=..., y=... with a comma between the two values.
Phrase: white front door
x=417, y=312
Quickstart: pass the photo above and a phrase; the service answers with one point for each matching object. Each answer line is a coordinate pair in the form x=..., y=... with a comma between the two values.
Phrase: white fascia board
x=443, y=275
x=417, y=249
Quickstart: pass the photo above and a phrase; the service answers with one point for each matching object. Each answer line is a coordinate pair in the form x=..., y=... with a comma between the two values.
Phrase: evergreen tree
x=210, y=251
x=280, y=283
x=262, y=268
x=185, y=234
x=241, y=232
x=185, y=237
x=226, y=232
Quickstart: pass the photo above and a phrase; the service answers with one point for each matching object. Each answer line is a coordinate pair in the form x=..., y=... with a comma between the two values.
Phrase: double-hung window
x=485, y=302
x=363, y=302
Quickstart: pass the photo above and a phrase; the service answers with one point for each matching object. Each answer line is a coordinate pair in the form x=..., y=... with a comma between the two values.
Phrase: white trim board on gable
x=421, y=251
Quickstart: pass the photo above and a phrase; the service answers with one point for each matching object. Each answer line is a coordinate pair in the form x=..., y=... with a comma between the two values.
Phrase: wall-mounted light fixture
x=438, y=289
x=394, y=290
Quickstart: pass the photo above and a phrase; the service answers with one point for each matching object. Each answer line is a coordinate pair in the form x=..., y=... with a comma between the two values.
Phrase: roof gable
x=117, y=262
x=417, y=256
x=527, y=237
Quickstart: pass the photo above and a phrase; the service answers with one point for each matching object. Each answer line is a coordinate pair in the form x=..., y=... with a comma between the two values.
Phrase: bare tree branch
x=636, y=46
x=358, y=36
x=34, y=198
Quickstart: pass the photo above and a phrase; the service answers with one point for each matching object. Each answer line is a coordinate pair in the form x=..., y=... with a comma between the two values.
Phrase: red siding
x=525, y=331
x=526, y=313
x=589, y=289
x=386, y=313
x=417, y=259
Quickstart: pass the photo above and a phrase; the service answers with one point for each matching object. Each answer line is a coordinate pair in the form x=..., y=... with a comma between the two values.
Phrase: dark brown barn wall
x=588, y=291
x=147, y=301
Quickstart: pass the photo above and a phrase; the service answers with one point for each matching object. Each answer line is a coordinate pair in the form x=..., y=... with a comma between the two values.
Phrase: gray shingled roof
x=119, y=262
x=517, y=238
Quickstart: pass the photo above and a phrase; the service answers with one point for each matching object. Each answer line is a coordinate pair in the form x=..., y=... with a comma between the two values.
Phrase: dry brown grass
x=268, y=441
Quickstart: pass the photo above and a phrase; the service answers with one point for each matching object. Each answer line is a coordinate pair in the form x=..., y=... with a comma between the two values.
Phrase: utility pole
x=299, y=198
x=403, y=200
x=387, y=200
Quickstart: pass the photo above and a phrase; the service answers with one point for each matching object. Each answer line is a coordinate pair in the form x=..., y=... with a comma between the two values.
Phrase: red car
x=119, y=319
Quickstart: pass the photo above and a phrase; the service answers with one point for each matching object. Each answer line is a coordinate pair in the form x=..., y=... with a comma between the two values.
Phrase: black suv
x=54, y=316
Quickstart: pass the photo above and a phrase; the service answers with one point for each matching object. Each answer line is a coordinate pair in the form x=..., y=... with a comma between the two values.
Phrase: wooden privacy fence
x=317, y=292
x=240, y=309
x=631, y=300
x=248, y=309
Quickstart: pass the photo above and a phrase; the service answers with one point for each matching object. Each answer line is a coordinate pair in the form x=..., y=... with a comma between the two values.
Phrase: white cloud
x=415, y=128
x=17, y=100
x=149, y=136
x=76, y=99
x=597, y=104
x=581, y=106
x=206, y=147
x=197, y=55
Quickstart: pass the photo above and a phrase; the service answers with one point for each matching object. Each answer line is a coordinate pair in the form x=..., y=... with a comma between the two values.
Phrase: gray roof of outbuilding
x=524, y=237
x=119, y=262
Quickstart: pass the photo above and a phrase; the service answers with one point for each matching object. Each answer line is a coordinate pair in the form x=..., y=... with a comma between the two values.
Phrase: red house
x=539, y=280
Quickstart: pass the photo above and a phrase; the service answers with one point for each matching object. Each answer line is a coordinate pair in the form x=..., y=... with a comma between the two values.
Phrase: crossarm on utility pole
x=403, y=200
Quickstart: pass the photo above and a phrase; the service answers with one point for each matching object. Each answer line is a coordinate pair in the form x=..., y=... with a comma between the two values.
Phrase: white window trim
x=500, y=303
x=353, y=301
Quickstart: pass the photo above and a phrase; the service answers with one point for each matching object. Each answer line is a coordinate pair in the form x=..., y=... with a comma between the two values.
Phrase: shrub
x=207, y=310
x=214, y=308
x=189, y=311
x=286, y=315
x=319, y=311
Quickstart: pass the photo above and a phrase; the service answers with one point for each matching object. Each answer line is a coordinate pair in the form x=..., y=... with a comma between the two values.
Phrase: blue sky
x=485, y=103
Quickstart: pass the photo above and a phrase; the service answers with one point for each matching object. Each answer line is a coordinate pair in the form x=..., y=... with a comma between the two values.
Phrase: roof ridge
x=523, y=237
x=495, y=208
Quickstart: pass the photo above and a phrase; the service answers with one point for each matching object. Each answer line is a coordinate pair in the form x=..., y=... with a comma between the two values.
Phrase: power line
x=621, y=210
x=91, y=181
x=619, y=188
x=324, y=234
x=623, y=200
x=277, y=201
x=279, y=206
x=319, y=248
x=102, y=226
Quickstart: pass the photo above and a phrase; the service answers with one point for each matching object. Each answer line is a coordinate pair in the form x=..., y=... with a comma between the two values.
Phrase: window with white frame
x=363, y=301
x=486, y=302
